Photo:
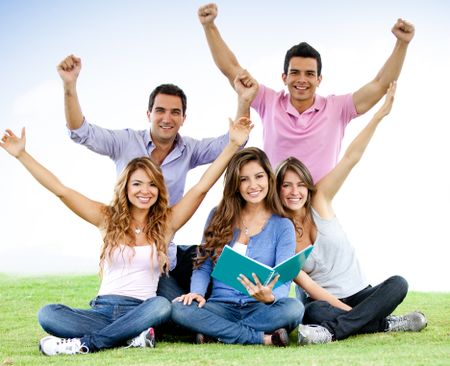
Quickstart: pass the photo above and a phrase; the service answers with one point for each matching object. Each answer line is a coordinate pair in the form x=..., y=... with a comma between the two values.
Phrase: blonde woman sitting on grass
x=136, y=228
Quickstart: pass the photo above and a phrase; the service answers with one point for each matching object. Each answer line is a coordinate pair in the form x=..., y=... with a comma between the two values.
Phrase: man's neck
x=161, y=150
x=302, y=105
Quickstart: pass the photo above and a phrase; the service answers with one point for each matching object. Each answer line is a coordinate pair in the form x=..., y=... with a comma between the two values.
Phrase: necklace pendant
x=137, y=230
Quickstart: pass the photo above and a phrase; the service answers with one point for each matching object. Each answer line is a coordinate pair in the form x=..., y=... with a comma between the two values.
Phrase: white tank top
x=240, y=248
x=131, y=274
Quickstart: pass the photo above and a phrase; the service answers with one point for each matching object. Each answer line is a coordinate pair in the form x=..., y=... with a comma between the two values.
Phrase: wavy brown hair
x=118, y=216
x=228, y=213
x=296, y=166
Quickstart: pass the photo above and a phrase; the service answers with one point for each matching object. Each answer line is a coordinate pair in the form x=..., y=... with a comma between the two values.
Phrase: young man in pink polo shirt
x=302, y=123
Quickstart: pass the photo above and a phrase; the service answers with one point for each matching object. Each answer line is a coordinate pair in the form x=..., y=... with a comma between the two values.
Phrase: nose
x=252, y=183
x=302, y=76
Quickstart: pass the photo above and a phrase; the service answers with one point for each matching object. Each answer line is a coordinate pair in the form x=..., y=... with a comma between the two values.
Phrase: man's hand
x=403, y=30
x=69, y=69
x=207, y=13
x=246, y=87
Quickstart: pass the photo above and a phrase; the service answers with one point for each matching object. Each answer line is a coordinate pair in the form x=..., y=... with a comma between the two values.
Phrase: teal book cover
x=231, y=264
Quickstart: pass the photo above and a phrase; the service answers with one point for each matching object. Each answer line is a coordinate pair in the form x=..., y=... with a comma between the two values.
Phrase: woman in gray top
x=333, y=263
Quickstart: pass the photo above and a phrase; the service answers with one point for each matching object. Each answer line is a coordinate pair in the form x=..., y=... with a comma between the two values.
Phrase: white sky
x=393, y=206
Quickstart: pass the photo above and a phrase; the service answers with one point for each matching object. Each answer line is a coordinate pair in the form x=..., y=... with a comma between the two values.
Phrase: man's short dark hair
x=169, y=89
x=303, y=49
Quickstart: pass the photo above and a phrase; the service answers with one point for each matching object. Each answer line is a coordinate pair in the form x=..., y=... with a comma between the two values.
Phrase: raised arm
x=246, y=87
x=224, y=58
x=316, y=292
x=68, y=70
x=87, y=209
x=328, y=186
x=185, y=208
x=366, y=97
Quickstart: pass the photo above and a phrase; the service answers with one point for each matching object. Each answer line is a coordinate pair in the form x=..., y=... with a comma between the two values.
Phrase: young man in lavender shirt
x=175, y=155
x=301, y=123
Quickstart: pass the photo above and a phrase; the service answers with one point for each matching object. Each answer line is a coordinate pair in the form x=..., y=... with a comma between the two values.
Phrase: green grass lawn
x=21, y=298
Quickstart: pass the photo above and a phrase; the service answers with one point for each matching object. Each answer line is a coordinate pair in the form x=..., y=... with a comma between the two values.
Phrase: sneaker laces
x=322, y=334
x=72, y=346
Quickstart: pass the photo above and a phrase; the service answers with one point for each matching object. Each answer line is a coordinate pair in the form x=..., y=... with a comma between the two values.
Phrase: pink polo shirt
x=314, y=136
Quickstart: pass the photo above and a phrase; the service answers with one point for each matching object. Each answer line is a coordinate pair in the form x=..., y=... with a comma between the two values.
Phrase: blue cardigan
x=274, y=244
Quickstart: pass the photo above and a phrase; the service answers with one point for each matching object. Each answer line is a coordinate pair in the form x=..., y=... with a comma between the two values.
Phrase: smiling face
x=302, y=79
x=166, y=117
x=142, y=192
x=254, y=183
x=293, y=192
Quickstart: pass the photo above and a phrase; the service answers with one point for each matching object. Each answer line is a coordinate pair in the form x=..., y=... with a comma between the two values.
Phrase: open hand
x=257, y=290
x=240, y=130
x=13, y=144
x=388, y=101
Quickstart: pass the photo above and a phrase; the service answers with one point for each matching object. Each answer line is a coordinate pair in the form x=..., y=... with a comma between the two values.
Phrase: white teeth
x=144, y=199
x=253, y=194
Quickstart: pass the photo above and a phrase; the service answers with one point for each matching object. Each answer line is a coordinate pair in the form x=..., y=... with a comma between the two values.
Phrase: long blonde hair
x=118, y=216
x=220, y=229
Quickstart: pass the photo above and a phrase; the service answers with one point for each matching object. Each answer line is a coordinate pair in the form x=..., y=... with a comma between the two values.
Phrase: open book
x=231, y=264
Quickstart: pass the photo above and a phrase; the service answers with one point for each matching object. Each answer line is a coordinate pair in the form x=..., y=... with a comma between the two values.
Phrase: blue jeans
x=111, y=321
x=370, y=307
x=179, y=280
x=239, y=323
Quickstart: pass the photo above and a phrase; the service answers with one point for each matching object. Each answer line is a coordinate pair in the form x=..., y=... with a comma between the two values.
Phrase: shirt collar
x=179, y=142
x=319, y=103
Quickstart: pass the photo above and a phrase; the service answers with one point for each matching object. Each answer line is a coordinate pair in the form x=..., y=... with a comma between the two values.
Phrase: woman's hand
x=13, y=144
x=385, y=109
x=257, y=290
x=187, y=299
x=239, y=130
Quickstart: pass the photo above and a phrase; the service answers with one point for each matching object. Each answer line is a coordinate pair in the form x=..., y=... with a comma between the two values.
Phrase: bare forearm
x=215, y=170
x=243, y=109
x=393, y=66
x=358, y=146
x=72, y=108
x=318, y=293
x=223, y=57
x=42, y=174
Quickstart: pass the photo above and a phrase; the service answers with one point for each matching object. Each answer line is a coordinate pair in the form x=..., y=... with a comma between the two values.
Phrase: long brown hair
x=118, y=216
x=296, y=166
x=220, y=229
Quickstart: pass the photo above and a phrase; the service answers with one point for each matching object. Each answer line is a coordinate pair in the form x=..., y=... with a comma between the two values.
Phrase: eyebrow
x=171, y=109
x=261, y=172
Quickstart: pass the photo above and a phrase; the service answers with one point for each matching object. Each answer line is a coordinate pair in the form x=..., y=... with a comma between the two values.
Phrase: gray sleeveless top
x=333, y=263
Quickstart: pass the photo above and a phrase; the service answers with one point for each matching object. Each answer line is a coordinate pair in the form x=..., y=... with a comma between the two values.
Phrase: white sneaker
x=313, y=334
x=145, y=339
x=52, y=346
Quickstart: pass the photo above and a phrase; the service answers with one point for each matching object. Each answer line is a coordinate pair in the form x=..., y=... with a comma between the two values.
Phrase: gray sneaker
x=313, y=334
x=411, y=322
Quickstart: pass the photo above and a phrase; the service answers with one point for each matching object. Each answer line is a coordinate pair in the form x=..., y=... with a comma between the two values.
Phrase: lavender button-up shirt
x=124, y=145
